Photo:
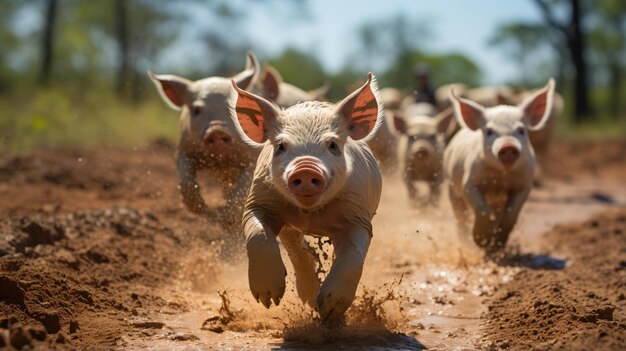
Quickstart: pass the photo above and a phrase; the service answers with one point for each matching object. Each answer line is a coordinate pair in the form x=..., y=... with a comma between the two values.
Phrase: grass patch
x=602, y=127
x=57, y=118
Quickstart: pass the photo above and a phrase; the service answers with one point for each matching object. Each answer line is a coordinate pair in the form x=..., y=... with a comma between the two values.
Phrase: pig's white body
x=421, y=147
x=204, y=110
x=385, y=144
x=483, y=179
x=324, y=146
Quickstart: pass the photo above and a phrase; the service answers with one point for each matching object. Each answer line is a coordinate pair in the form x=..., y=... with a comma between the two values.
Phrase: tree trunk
x=47, y=47
x=121, y=30
x=577, y=47
x=616, y=87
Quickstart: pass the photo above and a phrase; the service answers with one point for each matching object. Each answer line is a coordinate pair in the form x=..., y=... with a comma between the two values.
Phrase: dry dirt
x=97, y=252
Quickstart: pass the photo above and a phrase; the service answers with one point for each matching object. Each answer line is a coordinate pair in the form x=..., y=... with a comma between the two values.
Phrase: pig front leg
x=509, y=216
x=266, y=271
x=435, y=192
x=307, y=282
x=236, y=197
x=462, y=216
x=484, y=221
x=339, y=288
x=189, y=188
x=410, y=185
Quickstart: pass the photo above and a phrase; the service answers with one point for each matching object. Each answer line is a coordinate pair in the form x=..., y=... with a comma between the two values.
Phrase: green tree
x=608, y=47
x=9, y=41
x=299, y=68
x=522, y=43
x=573, y=34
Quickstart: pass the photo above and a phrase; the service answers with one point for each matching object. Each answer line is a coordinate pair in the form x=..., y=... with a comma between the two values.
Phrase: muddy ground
x=97, y=252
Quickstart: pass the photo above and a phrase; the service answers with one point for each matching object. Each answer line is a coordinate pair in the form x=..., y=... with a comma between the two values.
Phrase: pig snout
x=306, y=181
x=217, y=139
x=508, y=155
x=422, y=153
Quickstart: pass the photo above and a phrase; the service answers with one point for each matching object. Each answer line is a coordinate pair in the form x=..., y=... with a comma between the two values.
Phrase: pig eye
x=521, y=131
x=196, y=111
x=334, y=148
x=280, y=148
x=489, y=132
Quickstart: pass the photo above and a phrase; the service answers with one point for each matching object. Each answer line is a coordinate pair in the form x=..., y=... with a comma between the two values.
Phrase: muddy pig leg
x=189, y=188
x=339, y=288
x=509, y=216
x=266, y=271
x=307, y=282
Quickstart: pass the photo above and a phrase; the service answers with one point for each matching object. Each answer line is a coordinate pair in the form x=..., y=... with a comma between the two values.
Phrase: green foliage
x=95, y=118
x=80, y=106
x=299, y=68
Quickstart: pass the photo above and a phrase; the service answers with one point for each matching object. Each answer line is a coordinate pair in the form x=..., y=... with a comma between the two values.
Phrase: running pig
x=316, y=176
x=490, y=164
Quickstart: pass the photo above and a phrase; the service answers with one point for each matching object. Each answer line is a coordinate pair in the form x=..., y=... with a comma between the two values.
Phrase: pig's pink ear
x=446, y=124
x=245, y=78
x=271, y=82
x=253, y=114
x=538, y=106
x=468, y=113
x=173, y=89
x=362, y=110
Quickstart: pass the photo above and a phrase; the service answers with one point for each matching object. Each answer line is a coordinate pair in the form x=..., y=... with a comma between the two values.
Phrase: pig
x=391, y=98
x=442, y=94
x=270, y=85
x=208, y=139
x=316, y=176
x=384, y=144
x=422, y=145
x=490, y=165
x=540, y=139
x=487, y=96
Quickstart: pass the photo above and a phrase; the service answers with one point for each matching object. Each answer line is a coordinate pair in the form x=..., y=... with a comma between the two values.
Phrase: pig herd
x=290, y=165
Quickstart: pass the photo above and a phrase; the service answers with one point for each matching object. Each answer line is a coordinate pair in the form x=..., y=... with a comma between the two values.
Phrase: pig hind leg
x=307, y=282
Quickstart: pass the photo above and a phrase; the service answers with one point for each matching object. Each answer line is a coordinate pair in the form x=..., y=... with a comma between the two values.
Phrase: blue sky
x=330, y=32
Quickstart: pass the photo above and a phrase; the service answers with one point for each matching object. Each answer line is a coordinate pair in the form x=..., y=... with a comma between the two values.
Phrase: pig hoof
x=270, y=287
x=266, y=275
x=332, y=307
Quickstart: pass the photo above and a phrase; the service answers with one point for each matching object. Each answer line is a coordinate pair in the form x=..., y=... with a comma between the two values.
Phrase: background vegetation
x=72, y=72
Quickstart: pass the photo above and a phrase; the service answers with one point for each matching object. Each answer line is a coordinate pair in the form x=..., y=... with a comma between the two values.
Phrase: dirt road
x=96, y=251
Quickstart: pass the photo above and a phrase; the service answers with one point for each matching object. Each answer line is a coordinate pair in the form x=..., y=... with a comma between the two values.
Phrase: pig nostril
x=316, y=182
x=226, y=140
x=296, y=182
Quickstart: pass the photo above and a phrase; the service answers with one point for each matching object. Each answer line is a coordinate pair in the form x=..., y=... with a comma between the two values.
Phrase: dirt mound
x=85, y=276
x=582, y=307
x=591, y=158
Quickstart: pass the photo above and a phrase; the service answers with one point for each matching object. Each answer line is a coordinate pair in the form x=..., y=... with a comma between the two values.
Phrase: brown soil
x=96, y=251
x=582, y=307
